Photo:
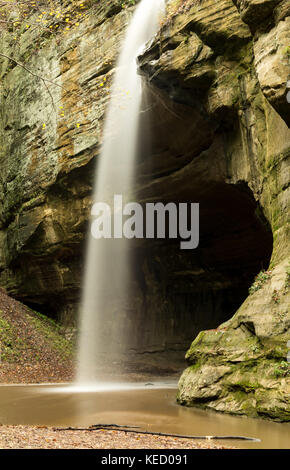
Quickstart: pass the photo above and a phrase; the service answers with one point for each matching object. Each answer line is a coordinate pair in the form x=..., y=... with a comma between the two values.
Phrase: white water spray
x=103, y=316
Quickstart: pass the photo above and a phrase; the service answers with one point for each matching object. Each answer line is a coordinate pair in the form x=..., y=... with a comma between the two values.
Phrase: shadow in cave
x=178, y=293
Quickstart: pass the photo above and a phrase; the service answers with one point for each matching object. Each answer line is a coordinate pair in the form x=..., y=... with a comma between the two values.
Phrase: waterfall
x=106, y=297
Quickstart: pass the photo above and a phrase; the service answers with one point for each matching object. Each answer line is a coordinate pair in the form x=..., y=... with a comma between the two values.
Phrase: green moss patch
x=51, y=332
x=11, y=345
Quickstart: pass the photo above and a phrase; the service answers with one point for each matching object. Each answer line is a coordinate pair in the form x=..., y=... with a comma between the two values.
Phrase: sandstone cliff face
x=49, y=135
x=215, y=80
x=231, y=63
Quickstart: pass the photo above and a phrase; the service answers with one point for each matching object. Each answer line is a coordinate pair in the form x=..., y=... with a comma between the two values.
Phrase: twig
x=48, y=91
x=93, y=427
x=96, y=426
x=33, y=73
x=114, y=427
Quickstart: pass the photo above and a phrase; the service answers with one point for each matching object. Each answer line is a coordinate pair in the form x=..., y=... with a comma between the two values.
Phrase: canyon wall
x=215, y=82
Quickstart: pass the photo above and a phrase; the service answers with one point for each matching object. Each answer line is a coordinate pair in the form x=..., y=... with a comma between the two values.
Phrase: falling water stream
x=106, y=296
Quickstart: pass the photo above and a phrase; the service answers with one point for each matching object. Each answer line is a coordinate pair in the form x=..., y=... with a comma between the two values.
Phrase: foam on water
x=91, y=387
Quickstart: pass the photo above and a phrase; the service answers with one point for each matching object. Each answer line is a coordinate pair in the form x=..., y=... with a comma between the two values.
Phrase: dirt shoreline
x=44, y=437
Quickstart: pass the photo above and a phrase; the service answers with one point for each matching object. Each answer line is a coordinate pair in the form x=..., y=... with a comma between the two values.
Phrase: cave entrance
x=178, y=293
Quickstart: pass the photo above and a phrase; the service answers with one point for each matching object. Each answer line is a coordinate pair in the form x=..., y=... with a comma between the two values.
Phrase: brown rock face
x=215, y=108
x=238, y=98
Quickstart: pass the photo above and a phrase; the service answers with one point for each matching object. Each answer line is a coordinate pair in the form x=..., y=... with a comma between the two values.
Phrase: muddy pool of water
x=152, y=407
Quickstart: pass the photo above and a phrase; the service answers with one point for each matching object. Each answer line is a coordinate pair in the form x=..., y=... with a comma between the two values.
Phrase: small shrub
x=276, y=296
x=259, y=281
x=128, y=3
x=283, y=370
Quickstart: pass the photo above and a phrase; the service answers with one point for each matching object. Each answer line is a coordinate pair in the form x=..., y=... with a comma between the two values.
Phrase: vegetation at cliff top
x=48, y=15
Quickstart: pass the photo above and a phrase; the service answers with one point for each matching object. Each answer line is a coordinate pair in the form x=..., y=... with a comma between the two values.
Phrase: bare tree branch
x=35, y=74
